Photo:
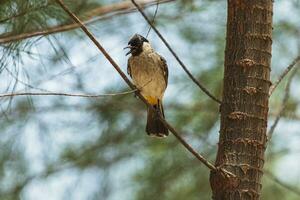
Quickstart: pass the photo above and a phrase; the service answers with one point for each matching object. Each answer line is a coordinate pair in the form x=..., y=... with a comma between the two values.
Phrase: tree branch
x=91, y=17
x=175, y=55
x=283, y=104
x=65, y=94
x=114, y=64
x=284, y=73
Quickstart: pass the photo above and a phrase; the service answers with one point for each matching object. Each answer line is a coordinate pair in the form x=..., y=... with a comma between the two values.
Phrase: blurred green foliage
x=46, y=140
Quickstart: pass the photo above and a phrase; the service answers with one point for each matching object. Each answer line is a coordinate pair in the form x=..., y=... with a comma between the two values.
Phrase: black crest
x=136, y=44
x=137, y=40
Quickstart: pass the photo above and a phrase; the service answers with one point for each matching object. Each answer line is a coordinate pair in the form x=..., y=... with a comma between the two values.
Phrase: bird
x=149, y=73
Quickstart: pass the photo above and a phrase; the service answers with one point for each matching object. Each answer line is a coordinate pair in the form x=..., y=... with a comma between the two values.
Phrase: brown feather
x=154, y=126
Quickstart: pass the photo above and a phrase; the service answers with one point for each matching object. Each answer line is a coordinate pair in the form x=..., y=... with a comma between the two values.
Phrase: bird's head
x=135, y=45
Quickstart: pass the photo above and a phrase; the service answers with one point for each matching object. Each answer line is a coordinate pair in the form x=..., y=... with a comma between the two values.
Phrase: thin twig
x=22, y=82
x=65, y=94
x=131, y=85
x=279, y=182
x=175, y=55
x=48, y=93
x=91, y=17
x=283, y=104
x=153, y=19
x=284, y=73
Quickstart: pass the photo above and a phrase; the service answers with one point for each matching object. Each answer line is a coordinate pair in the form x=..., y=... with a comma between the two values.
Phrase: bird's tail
x=154, y=126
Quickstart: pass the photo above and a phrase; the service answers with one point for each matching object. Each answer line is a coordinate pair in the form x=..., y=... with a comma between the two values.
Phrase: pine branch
x=114, y=64
x=176, y=56
x=91, y=17
x=22, y=13
x=284, y=73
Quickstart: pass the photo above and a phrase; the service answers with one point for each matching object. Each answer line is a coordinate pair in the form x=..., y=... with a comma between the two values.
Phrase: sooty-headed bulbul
x=149, y=72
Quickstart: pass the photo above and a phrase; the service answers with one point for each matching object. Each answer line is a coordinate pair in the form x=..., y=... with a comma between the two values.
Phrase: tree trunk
x=244, y=108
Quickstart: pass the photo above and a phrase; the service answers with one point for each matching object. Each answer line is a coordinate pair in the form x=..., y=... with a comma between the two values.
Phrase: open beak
x=129, y=47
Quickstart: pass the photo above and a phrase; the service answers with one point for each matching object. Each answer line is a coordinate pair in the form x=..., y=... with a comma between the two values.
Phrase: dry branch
x=284, y=73
x=66, y=94
x=175, y=55
x=91, y=17
x=114, y=64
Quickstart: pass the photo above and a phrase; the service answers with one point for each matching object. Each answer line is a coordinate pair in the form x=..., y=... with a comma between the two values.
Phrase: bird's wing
x=164, y=68
x=129, y=68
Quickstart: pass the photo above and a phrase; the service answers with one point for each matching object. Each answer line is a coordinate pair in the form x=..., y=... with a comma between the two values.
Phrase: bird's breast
x=147, y=74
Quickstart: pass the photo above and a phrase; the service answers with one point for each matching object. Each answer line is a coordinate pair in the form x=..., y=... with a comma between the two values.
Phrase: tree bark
x=244, y=108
